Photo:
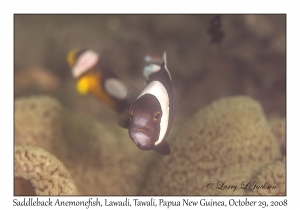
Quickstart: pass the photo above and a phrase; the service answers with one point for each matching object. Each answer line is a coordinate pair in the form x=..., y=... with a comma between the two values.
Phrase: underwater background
x=241, y=77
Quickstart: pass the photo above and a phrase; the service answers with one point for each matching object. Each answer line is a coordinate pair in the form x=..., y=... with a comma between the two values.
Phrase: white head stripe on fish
x=158, y=90
x=85, y=62
x=115, y=88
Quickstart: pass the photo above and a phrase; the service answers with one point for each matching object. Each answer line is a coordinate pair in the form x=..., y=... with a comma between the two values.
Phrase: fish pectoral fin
x=163, y=148
x=124, y=119
x=132, y=95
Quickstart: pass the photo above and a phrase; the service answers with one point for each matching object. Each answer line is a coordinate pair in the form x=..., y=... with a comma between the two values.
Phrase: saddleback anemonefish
x=95, y=76
x=150, y=113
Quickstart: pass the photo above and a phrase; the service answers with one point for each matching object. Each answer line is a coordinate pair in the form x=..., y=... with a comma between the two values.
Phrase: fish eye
x=156, y=116
x=131, y=111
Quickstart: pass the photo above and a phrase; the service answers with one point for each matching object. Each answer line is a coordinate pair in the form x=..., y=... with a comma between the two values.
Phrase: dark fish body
x=151, y=112
x=94, y=76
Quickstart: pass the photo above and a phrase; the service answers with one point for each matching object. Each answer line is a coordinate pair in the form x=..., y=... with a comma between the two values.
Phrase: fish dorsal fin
x=163, y=148
x=164, y=64
x=165, y=58
x=124, y=119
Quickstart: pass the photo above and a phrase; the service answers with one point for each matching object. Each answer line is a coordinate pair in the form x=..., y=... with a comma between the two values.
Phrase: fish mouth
x=141, y=129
